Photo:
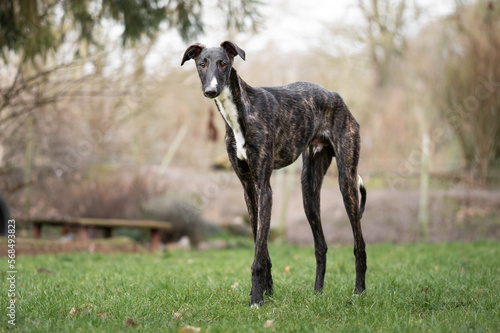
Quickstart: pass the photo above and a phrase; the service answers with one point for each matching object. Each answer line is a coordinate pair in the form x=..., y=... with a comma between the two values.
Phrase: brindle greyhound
x=268, y=128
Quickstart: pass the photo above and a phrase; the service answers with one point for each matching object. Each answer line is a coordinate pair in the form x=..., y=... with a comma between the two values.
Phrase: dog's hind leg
x=315, y=165
x=347, y=155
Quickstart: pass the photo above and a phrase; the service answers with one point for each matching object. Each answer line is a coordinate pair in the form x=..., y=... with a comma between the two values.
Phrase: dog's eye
x=203, y=65
x=223, y=64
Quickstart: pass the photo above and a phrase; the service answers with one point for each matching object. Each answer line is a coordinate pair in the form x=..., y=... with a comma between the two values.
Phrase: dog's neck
x=237, y=86
x=229, y=103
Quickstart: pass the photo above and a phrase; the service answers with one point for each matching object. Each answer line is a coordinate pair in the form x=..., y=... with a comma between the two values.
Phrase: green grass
x=410, y=288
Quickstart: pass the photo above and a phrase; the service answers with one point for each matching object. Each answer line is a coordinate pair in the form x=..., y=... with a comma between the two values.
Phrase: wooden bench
x=83, y=225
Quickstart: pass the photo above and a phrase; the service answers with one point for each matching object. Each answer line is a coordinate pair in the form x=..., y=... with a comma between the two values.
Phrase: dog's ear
x=192, y=52
x=232, y=49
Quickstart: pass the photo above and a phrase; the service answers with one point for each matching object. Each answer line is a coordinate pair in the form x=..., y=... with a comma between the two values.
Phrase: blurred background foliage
x=33, y=28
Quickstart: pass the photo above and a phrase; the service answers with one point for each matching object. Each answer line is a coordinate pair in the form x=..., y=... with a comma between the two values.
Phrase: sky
x=290, y=25
x=299, y=24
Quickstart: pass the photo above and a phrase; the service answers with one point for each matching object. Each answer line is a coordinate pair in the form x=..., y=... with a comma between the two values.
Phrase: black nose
x=211, y=93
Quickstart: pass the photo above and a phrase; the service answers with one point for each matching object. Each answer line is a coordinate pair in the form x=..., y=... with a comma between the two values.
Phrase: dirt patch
x=392, y=216
x=457, y=214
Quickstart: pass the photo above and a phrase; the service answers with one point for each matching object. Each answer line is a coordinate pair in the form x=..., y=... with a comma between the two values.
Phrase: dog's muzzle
x=210, y=93
x=210, y=90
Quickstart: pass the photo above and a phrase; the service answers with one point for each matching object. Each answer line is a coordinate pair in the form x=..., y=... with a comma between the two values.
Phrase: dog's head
x=214, y=65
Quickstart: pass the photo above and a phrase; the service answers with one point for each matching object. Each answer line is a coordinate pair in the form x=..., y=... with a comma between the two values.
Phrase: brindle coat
x=267, y=128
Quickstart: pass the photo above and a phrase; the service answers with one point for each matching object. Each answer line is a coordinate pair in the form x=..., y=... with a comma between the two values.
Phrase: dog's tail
x=362, y=190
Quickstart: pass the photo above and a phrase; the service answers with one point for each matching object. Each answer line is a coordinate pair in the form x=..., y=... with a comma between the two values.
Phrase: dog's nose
x=211, y=93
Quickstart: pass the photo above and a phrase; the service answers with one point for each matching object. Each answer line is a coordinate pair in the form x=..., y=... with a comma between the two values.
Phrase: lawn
x=410, y=288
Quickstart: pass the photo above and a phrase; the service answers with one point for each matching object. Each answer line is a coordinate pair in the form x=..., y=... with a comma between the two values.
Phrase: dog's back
x=301, y=112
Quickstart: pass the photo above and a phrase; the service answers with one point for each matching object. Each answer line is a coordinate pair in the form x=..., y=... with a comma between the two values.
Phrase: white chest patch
x=230, y=113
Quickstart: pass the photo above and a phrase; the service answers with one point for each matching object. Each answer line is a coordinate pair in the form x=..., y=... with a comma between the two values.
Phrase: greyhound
x=267, y=128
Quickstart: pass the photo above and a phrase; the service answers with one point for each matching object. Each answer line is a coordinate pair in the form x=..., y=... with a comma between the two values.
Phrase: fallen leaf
x=436, y=268
x=75, y=311
x=287, y=269
x=462, y=269
x=189, y=329
x=425, y=288
x=130, y=322
x=269, y=323
x=103, y=315
x=177, y=315
x=235, y=285
x=231, y=292
x=44, y=270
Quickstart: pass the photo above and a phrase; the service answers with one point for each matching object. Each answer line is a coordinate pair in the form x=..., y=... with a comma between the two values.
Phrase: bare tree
x=386, y=23
x=470, y=96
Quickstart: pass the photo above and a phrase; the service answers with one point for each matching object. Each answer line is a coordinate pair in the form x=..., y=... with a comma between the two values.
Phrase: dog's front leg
x=252, y=197
x=253, y=213
x=261, y=267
